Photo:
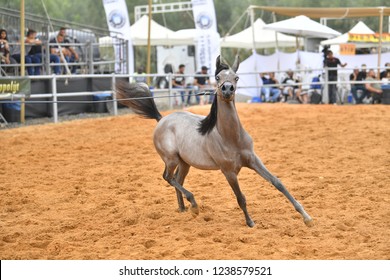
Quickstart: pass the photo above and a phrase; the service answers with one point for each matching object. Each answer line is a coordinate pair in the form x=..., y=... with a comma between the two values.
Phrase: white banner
x=119, y=25
x=207, y=41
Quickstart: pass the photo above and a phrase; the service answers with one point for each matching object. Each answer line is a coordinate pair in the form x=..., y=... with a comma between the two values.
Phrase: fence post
x=114, y=101
x=170, y=91
x=90, y=57
x=55, y=104
x=325, y=95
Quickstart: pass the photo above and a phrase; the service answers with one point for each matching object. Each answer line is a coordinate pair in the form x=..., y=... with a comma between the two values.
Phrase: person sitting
x=290, y=89
x=139, y=76
x=29, y=58
x=37, y=51
x=201, y=84
x=271, y=93
x=5, y=57
x=385, y=74
x=61, y=42
x=358, y=76
x=179, y=81
x=373, y=88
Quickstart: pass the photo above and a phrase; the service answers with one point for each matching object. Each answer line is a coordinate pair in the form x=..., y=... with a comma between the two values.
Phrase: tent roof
x=263, y=38
x=326, y=12
x=159, y=35
x=359, y=28
x=303, y=26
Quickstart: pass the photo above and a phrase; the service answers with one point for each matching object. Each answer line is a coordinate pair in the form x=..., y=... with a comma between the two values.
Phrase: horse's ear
x=236, y=63
x=218, y=62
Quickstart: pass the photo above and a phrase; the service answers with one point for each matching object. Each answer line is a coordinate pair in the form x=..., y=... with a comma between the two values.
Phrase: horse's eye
x=217, y=78
x=237, y=78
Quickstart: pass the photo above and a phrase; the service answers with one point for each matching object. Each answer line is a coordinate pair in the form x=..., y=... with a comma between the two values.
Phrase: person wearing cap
x=201, y=83
x=356, y=79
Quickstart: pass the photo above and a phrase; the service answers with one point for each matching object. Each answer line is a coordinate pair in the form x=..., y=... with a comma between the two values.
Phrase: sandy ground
x=92, y=189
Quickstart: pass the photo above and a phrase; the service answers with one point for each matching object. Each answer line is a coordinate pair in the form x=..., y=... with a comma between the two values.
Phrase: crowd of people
x=60, y=51
x=364, y=85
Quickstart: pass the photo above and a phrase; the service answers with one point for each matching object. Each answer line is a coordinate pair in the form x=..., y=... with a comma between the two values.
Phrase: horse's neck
x=228, y=122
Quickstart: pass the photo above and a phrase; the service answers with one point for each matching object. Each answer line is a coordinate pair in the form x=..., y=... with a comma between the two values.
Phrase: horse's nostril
x=231, y=88
x=223, y=88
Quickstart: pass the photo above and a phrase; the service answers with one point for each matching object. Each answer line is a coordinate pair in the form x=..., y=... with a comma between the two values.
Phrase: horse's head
x=226, y=79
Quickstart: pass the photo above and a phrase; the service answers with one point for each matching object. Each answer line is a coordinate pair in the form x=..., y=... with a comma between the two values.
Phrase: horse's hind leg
x=170, y=178
x=180, y=174
x=256, y=164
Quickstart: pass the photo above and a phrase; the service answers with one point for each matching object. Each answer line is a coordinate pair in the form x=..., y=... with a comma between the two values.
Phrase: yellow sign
x=347, y=49
x=368, y=38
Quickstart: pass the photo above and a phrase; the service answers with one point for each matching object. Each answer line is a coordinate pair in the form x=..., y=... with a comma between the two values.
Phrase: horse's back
x=177, y=135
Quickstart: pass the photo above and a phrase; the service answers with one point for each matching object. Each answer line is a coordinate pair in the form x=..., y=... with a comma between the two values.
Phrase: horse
x=217, y=141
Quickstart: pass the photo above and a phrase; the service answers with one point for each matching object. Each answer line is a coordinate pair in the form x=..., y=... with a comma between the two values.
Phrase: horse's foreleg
x=256, y=164
x=170, y=178
x=181, y=173
x=231, y=177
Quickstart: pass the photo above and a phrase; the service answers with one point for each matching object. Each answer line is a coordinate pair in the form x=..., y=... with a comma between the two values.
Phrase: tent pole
x=380, y=40
x=252, y=15
x=149, y=52
x=22, y=60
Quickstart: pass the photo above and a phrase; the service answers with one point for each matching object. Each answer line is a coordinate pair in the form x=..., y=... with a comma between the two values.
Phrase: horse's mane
x=208, y=123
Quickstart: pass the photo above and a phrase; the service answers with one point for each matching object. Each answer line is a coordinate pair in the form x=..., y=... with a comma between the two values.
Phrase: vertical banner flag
x=207, y=41
x=119, y=25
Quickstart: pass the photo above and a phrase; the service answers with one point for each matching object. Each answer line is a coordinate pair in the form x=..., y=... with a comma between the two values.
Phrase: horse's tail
x=138, y=98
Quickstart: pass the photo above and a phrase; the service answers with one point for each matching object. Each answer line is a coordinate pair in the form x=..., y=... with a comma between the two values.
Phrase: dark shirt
x=332, y=63
x=201, y=79
x=289, y=81
x=180, y=80
x=361, y=76
x=268, y=81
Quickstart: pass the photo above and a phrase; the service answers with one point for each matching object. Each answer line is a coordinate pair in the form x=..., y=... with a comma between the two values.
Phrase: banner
x=368, y=38
x=347, y=49
x=207, y=41
x=12, y=86
x=119, y=25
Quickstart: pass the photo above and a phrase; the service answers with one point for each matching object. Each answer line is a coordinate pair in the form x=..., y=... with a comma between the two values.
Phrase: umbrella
x=303, y=26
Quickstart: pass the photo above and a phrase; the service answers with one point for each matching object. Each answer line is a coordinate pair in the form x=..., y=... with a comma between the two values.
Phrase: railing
x=169, y=95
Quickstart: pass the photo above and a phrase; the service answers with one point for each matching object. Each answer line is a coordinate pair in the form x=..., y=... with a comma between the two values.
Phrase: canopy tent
x=359, y=28
x=262, y=38
x=159, y=35
x=304, y=27
x=344, y=12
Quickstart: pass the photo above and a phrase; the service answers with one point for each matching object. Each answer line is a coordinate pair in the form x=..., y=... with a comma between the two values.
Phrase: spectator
x=358, y=76
x=332, y=62
x=29, y=58
x=290, y=89
x=5, y=57
x=201, y=83
x=373, y=88
x=139, y=76
x=37, y=51
x=385, y=74
x=271, y=93
x=4, y=47
x=61, y=42
x=179, y=81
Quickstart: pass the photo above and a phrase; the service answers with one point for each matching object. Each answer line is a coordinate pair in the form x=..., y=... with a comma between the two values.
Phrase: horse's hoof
x=194, y=211
x=250, y=224
x=309, y=222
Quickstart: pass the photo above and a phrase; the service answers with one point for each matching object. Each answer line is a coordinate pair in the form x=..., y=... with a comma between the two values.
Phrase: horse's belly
x=198, y=158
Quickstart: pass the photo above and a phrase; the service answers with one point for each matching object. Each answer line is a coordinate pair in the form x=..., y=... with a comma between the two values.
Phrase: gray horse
x=215, y=142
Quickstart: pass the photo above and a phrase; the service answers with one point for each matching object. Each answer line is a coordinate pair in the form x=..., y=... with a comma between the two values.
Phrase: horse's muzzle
x=228, y=90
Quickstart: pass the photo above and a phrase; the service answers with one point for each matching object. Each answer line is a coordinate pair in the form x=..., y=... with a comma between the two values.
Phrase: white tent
x=263, y=38
x=159, y=35
x=359, y=28
x=304, y=27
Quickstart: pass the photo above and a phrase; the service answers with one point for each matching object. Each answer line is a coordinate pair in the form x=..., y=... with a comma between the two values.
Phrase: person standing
x=332, y=62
